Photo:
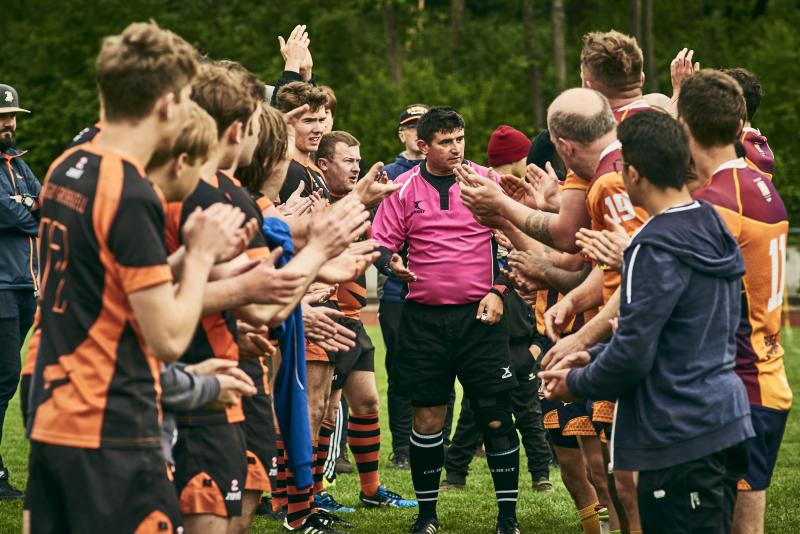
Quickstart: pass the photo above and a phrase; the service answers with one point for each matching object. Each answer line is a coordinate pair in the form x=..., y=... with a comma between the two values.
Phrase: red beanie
x=507, y=145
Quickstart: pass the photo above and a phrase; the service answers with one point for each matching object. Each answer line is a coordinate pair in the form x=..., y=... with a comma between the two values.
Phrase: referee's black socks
x=426, y=455
x=502, y=454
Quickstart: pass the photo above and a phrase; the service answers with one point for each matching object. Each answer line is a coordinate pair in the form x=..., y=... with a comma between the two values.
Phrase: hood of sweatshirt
x=713, y=250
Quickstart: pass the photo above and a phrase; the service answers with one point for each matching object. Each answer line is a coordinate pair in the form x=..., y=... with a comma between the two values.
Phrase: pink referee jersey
x=448, y=250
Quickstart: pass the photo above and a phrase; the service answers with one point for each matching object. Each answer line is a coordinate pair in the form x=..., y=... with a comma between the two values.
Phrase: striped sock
x=364, y=438
x=299, y=502
x=426, y=455
x=323, y=445
x=314, y=459
x=504, y=467
x=279, y=496
x=590, y=519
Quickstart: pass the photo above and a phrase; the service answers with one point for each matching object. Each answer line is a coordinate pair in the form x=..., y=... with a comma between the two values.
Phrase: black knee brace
x=491, y=409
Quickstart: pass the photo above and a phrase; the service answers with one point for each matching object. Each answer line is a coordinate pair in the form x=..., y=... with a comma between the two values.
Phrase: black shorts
x=694, y=497
x=259, y=427
x=769, y=426
x=359, y=358
x=440, y=343
x=72, y=489
x=211, y=469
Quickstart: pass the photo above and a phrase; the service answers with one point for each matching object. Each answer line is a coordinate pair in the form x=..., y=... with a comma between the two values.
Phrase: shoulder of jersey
x=760, y=199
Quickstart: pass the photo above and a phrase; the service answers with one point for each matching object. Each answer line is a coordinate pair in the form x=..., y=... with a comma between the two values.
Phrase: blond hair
x=197, y=139
x=137, y=67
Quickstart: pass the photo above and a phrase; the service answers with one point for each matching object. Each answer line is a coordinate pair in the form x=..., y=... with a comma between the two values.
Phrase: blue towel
x=291, y=402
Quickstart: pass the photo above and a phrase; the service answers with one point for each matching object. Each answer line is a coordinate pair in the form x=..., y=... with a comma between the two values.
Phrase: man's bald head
x=582, y=115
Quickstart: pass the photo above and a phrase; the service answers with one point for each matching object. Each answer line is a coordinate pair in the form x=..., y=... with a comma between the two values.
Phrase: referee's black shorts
x=439, y=343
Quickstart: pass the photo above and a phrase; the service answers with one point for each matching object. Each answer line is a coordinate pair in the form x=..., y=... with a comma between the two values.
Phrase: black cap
x=9, y=100
x=412, y=113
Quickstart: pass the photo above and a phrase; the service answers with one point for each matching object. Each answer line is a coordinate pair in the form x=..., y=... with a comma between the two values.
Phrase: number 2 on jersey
x=777, y=256
x=620, y=207
x=55, y=261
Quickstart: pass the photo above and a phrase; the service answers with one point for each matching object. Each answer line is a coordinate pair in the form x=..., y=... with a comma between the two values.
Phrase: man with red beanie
x=508, y=150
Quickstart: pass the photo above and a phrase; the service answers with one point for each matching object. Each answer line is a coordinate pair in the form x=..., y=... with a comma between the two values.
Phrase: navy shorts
x=769, y=426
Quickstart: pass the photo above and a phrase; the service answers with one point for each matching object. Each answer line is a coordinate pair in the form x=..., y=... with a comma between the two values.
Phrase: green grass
x=471, y=510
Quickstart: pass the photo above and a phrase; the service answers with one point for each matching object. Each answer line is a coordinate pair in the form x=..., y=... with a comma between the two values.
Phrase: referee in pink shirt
x=452, y=324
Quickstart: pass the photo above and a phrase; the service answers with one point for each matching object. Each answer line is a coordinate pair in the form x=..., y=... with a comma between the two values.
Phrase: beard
x=7, y=139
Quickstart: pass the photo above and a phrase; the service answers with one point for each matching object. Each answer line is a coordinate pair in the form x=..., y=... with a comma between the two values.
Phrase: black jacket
x=19, y=265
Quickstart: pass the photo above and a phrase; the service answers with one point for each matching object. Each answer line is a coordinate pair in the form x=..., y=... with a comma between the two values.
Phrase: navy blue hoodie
x=670, y=363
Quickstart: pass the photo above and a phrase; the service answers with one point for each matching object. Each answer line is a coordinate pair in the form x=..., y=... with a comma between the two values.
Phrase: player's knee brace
x=489, y=411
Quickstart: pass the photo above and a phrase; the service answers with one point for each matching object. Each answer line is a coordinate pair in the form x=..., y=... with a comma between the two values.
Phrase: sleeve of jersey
x=609, y=197
x=389, y=225
x=136, y=239
x=653, y=282
x=573, y=181
x=294, y=176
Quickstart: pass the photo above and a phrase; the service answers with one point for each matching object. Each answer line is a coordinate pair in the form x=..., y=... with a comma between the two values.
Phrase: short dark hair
x=751, y=88
x=712, y=105
x=327, y=145
x=439, y=119
x=656, y=144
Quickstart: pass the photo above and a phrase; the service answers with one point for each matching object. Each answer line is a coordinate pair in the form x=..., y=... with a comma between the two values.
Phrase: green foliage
x=49, y=51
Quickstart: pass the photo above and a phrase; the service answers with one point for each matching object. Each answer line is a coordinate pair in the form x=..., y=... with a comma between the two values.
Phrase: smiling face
x=341, y=170
x=445, y=151
x=309, y=130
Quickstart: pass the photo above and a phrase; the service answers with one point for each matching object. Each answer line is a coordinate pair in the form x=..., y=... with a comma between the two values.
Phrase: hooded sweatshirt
x=670, y=365
x=401, y=164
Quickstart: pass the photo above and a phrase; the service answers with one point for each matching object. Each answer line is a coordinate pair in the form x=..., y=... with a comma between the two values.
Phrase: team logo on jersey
x=506, y=372
x=9, y=96
x=763, y=189
x=417, y=208
x=235, y=494
x=77, y=171
x=531, y=377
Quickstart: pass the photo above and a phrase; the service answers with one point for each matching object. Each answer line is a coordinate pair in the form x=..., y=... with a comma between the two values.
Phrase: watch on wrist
x=28, y=201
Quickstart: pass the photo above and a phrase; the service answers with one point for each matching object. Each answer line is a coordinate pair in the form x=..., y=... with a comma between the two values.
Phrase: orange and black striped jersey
x=755, y=214
x=606, y=195
x=95, y=383
x=351, y=296
x=546, y=299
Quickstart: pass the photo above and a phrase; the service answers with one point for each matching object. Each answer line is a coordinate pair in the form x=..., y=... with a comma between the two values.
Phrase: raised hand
x=519, y=190
x=321, y=328
x=557, y=317
x=295, y=48
x=374, y=186
x=268, y=285
x=334, y=228
x=529, y=265
x=681, y=68
x=605, y=247
x=482, y=196
x=350, y=264
x=555, y=386
x=400, y=270
x=245, y=235
x=319, y=292
x=544, y=183
x=214, y=231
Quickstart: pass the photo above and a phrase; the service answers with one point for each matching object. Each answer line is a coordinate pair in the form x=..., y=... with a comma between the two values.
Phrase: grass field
x=471, y=510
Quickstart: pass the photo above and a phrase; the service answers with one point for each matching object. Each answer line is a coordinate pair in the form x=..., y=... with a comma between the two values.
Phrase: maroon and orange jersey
x=629, y=110
x=95, y=383
x=754, y=213
x=606, y=195
x=757, y=152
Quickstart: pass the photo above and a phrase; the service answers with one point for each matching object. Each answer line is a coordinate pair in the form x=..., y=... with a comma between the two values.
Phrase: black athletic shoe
x=343, y=465
x=542, y=484
x=508, y=525
x=7, y=491
x=424, y=525
x=335, y=520
x=315, y=524
x=265, y=510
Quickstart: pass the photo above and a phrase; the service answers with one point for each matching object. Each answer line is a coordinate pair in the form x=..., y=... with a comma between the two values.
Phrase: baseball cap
x=507, y=145
x=9, y=100
x=412, y=113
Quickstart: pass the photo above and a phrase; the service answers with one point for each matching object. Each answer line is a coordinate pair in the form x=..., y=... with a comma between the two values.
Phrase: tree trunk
x=650, y=47
x=635, y=19
x=456, y=21
x=559, y=60
x=534, y=69
x=392, y=45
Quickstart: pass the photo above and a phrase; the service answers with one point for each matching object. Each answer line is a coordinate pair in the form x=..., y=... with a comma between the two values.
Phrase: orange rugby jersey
x=95, y=383
x=351, y=296
x=546, y=299
x=606, y=195
x=754, y=213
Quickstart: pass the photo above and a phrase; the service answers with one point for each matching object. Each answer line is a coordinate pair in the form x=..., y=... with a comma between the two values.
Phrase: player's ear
x=423, y=146
x=235, y=132
x=400, y=135
x=633, y=174
x=322, y=163
x=740, y=128
x=180, y=163
x=165, y=106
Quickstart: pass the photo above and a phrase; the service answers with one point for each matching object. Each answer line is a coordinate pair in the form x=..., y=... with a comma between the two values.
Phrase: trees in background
x=497, y=61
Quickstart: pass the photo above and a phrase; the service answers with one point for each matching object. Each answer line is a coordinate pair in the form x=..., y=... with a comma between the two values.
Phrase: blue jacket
x=291, y=399
x=19, y=264
x=670, y=363
x=392, y=289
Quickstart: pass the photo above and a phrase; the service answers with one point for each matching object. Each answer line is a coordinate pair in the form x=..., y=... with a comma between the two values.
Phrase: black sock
x=504, y=467
x=426, y=455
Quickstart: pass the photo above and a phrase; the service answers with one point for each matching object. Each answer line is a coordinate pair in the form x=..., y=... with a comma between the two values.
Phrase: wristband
x=499, y=290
